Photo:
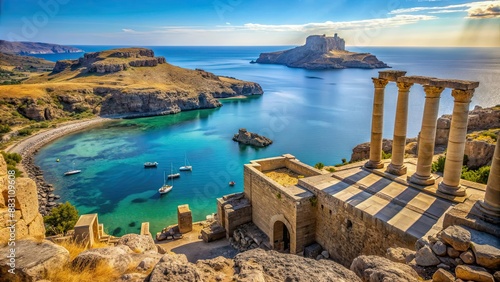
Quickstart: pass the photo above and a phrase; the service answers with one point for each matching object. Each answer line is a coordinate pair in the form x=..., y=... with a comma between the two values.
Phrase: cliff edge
x=321, y=52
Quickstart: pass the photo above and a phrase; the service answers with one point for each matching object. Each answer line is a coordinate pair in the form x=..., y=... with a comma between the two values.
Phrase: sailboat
x=72, y=171
x=166, y=188
x=186, y=166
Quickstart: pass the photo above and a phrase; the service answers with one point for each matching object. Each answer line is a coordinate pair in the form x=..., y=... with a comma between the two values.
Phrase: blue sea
x=318, y=116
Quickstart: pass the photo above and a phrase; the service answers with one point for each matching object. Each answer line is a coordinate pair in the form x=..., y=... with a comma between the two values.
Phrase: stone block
x=313, y=250
x=27, y=198
x=454, y=83
x=468, y=257
x=425, y=257
x=423, y=80
x=212, y=233
x=452, y=252
x=474, y=273
x=399, y=254
x=391, y=75
x=458, y=237
x=184, y=218
x=487, y=255
x=442, y=275
x=439, y=248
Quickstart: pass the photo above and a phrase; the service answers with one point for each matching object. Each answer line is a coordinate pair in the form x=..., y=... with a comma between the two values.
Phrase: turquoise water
x=318, y=116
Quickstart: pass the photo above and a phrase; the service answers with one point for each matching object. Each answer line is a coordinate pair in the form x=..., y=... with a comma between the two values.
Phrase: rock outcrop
x=29, y=48
x=253, y=139
x=362, y=151
x=138, y=243
x=321, y=52
x=117, y=258
x=19, y=216
x=32, y=260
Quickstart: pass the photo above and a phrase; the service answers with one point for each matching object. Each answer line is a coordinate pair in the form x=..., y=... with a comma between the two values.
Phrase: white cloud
x=485, y=11
x=481, y=9
x=127, y=30
x=447, y=11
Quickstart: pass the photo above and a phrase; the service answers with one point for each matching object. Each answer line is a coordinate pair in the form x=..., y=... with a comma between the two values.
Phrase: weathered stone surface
x=313, y=250
x=474, y=273
x=117, y=258
x=219, y=269
x=458, y=237
x=274, y=266
x=138, y=243
x=374, y=269
x=442, y=275
x=487, y=255
x=146, y=263
x=425, y=257
x=468, y=257
x=452, y=252
x=448, y=261
x=172, y=267
x=325, y=254
x=27, y=198
x=496, y=275
x=439, y=248
x=399, y=254
x=33, y=260
x=253, y=139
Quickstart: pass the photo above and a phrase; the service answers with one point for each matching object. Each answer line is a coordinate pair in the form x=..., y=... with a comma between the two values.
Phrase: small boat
x=186, y=166
x=57, y=160
x=150, y=164
x=232, y=183
x=74, y=171
x=166, y=188
x=173, y=175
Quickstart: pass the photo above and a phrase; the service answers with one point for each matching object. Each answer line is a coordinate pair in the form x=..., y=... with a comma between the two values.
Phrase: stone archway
x=282, y=235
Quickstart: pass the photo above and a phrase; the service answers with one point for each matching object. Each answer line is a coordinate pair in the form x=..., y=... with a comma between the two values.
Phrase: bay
x=318, y=116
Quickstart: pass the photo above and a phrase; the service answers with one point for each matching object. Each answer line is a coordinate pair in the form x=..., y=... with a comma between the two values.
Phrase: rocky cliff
x=26, y=48
x=321, y=52
x=250, y=138
x=19, y=216
x=126, y=82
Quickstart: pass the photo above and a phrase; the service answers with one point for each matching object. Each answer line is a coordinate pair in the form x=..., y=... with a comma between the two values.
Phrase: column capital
x=380, y=82
x=462, y=96
x=404, y=86
x=433, y=91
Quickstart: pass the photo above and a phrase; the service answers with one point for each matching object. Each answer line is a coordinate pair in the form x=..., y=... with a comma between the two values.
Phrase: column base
x=489, y=213
x=373, y=165
x=422, y=180
x=451, y=190
x=396, y=169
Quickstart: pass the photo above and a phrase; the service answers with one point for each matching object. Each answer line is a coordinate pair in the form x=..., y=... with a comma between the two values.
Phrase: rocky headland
x=29, y=48
x=483, y=125
x=128, y=82
x=252, y=139
x=321, y=52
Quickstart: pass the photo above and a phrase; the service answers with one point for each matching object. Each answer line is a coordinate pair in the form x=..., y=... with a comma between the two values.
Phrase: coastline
x=28, y=147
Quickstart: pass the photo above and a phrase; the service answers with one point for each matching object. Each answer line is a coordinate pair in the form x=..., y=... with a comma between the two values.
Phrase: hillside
x=25, y=48
x=18, y=63
x=125, y=82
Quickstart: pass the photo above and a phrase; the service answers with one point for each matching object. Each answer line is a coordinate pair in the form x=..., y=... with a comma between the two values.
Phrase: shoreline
x=28, y=148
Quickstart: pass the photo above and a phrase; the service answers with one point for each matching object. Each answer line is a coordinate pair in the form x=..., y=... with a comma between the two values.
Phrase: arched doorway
x=281, y=237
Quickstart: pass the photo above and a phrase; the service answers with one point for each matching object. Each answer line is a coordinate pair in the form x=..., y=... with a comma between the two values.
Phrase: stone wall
x=346, y=232
x=28, y=221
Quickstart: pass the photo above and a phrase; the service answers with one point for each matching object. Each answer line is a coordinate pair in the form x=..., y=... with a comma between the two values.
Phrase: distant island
x=32, y=48
x=321, y=52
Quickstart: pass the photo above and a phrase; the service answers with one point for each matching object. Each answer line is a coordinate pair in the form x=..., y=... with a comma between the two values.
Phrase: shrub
x=386, y=155
x=480, y=176
x=344, y=161
x=61, y=219
x=25, y=132
x=438, y=166
x=319, y=165
x=331, y=169
x=4, y=128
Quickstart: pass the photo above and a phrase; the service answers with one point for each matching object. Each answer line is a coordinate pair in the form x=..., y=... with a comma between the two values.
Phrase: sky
x=434, y=23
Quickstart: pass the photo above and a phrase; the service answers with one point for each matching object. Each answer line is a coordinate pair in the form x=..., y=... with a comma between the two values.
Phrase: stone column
x=400, y=124
x=456, y=144
x=491, y=204
x=427, y=136
x=377, y=124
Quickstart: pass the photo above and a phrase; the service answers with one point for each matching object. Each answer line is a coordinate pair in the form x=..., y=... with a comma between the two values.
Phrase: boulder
x=273, y=266
x=138, y=243
x=147, y=263
x=220, y=268
x=442, y=275
x=117, y=258
x=474, y=273
x=172, y=267
x=313, y=250
x=487, y=255
x=399, y=254
x=425, y=257
x=439, y=248
x=33, y=260
x=467, y=257
x=253, y=139
x=325, y=254
x=374, y=269
x=452, y=252
x=496, y=275
x=458, y=237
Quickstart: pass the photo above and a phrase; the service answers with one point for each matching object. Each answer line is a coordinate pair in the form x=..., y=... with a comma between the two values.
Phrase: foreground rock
x=138, y=243
x=33, y=260
x=253, y=139
x=375, y=269
x=118, y=258
x=321, y=52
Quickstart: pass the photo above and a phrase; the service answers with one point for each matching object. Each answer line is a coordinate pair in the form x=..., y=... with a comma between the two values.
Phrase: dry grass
x=22, y=90
x=283, y=176
x=101, y=273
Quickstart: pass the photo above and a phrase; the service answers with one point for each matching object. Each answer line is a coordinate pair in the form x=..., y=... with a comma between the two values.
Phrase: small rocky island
x=253, y=139
x=322, y=52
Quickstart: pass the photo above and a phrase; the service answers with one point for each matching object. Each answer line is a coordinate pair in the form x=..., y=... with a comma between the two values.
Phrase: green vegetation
x=25, y=132
x=331, y=169
x=386, y=155
x=12, y=160
x=344, y=161
x=319, y=165
x=314, y=201
x=480, y=175
x=61, y=219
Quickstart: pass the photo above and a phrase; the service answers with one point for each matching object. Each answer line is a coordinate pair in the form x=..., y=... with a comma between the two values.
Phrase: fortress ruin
x=365, y=208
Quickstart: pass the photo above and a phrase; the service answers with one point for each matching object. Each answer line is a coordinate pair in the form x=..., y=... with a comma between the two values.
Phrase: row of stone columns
x=462, y=92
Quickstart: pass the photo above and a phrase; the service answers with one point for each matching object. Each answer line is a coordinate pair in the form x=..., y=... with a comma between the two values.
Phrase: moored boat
x=150, y=164
x=73, y=171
